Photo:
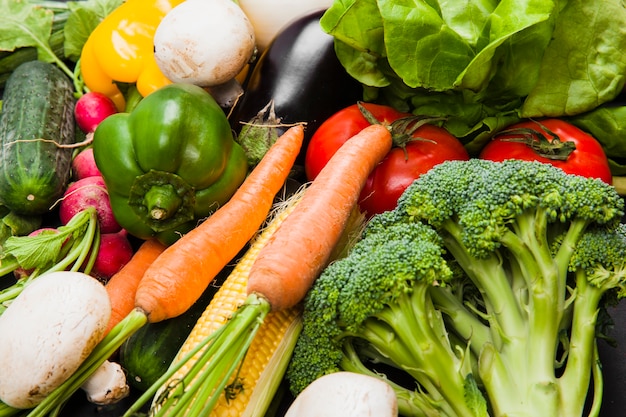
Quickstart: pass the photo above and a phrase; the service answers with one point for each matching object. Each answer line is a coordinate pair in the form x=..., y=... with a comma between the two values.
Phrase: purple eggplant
x=300, y=74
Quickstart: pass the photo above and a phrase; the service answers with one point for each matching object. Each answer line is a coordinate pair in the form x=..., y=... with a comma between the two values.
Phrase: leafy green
x=23, y=24
x=14, y=224
x=482, y=64
x=84, y=17
x=607, y=124
x=30, y=24
x=73, y=246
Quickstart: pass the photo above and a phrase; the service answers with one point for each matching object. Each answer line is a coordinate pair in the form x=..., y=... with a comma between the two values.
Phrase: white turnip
x=84, y=165
x=204, y=42
x=92, y=108
x=47, y=332
x=89, y=191
x=345, y=394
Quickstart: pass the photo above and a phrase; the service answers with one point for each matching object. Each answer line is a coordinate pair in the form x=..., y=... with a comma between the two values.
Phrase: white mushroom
x=47, y=332
x=345, y=394
x=107, y=385
x=269, y=17
x=204, y=42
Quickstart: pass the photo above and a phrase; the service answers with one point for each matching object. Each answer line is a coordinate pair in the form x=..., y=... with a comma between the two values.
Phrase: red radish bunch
x=92, y=108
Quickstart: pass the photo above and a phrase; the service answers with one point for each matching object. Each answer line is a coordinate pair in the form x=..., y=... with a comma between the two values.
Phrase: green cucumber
x=37, y=129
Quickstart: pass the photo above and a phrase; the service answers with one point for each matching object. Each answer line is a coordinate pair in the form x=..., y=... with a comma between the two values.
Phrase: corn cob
x=271, y=347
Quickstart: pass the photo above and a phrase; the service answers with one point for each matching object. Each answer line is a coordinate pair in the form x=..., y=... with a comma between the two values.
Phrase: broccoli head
x=478, y=295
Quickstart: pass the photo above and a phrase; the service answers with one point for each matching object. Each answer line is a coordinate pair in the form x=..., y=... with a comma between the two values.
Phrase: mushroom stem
x=107, y=385
x=226, y=94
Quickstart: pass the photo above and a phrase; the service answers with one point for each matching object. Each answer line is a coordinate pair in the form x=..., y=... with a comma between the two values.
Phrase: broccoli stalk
x=477, y=296
x=412, y=333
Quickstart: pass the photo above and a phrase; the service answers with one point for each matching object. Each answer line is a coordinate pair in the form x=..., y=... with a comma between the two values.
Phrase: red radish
x=84, y=165
x=114, y=252
x=89, y=191
x=92, y=108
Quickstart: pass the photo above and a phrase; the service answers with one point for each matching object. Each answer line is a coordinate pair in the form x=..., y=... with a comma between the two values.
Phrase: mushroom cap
x=204, y=42
x=47, y=332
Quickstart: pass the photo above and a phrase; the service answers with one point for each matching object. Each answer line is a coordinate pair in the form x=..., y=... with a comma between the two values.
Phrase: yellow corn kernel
x=268, y=344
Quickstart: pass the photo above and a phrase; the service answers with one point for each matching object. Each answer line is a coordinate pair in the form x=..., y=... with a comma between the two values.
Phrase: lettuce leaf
x=607, y=123
x=482, y=64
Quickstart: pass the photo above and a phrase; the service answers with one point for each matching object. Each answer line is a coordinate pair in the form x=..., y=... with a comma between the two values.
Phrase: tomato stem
x=548, y=147
x=402, y=130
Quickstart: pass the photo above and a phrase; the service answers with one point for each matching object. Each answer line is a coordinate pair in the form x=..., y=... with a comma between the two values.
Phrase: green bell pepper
x=168, y=163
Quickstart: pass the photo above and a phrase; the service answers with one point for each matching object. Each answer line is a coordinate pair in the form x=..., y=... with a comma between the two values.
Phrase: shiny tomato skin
x=431, y=146
x=340, y=127
x=402, y=166
x=588, y=159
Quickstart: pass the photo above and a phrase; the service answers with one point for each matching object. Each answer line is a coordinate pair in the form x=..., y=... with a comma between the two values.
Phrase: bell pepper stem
x=162, y=201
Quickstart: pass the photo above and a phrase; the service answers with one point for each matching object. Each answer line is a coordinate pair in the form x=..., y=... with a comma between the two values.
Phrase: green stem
x=8, y=411
x=200, y=388
x=162, y=201
x=172, y=370
x=411, y=402
x=598, y=384
x=502, y=304
x=109, y=344
x=84, y=235
x=418, y=344
x=575, y=380
x=8, y=265
x=465, y=323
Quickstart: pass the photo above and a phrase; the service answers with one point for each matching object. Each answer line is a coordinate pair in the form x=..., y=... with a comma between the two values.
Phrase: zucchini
x=37, y=129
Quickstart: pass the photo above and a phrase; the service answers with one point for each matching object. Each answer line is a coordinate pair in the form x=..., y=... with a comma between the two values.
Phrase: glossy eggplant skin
x=300, y=72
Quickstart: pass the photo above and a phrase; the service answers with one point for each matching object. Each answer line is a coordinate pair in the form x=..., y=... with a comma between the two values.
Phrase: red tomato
x=541, y=141
x=428, y=146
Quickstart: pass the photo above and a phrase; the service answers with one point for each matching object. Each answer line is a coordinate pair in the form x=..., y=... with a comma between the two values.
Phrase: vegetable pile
x=483, y=65
x=321, y=207
x=484, y=285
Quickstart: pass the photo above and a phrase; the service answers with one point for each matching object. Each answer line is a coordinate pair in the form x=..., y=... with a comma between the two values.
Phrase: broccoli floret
x=478, y=295
x=379, y=293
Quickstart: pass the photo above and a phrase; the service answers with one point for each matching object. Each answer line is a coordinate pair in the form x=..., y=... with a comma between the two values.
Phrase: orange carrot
x=122, y=286
x=297, y=252
x=179, y=276
x=284, y=270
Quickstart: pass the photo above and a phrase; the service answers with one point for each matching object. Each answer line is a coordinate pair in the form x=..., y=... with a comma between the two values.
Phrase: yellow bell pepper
x=120, y=49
